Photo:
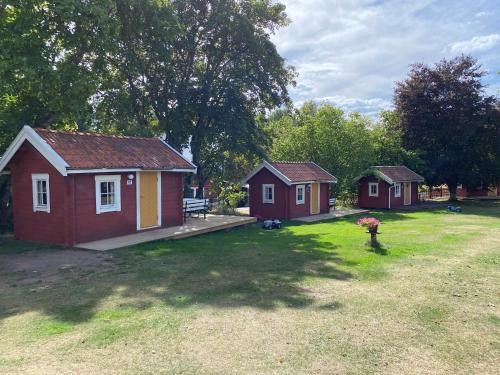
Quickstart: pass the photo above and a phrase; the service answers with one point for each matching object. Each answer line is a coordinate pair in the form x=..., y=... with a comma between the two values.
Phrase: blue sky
x=350, y=53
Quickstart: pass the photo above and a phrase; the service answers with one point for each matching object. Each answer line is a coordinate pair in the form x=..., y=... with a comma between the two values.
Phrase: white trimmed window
x=373, y=189
x=268, y=193
x=300, y=194
x=41, y=192
x=107, y=193
x=397, y=191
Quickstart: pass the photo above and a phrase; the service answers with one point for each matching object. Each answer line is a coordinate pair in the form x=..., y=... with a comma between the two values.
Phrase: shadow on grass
x=250, y=267
x=377, y=248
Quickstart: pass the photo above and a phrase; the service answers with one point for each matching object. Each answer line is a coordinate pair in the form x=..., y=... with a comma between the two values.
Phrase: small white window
x=107, y=193
x=299, y=194
x=373, y=189
x=268, y=193
x=41, y=192
x=397, y=191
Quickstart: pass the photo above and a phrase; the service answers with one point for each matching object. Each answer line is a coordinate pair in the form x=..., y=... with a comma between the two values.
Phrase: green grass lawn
x=310, y=298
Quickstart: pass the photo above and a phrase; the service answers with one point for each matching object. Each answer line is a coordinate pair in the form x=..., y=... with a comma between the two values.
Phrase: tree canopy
x=446, y=117
x=345, y=145
x=198, y=71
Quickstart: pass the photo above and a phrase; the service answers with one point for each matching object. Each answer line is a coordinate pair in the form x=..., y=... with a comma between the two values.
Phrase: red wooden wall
x=285, y=206
x=91, y=226
x=53, y=227
x=73, y=218
x=382, y=201
x=278, y=210
x=172, y=194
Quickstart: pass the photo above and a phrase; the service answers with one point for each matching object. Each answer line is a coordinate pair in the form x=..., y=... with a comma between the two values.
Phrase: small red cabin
x=388, y=187
x=287, y=190
x=69, y=188
x=464, y=192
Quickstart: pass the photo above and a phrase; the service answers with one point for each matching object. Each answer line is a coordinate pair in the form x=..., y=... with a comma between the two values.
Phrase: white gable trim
x=125, y=170
x=375, y=173
x=182, y=156
x=28, y=134
x=334, y=181
x=271, y=169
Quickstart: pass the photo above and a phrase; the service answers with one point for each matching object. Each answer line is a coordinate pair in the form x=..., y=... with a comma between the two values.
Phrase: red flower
x=368, y=222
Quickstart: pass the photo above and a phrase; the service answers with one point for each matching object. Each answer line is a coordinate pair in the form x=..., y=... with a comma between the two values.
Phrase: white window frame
x=370, y=194
x=264, y=197
x=297, y=200
x=116, y=179
x=34, y=186
x=397, y=191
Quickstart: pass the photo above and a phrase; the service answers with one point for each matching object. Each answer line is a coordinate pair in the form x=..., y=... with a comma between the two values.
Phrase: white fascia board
x=383, y=177
x=375, y=173
x=271, y=169
x=315, y=182
x=178, y=153
x=28, y=134
x=103, y=170
x=125, y=170
x=277, y=173
x=182, y=170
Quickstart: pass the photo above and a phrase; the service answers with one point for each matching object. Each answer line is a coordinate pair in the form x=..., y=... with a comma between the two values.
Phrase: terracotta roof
x=391, y=174
x=302, y=171
x=93, y=151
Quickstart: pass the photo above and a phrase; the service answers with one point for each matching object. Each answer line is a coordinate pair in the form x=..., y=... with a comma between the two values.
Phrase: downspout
x=390, y=187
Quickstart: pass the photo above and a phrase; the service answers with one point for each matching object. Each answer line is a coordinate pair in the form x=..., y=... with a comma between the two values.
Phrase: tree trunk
x=6, y=220
x=195, y=151
x=452, y=188
x=201, y=183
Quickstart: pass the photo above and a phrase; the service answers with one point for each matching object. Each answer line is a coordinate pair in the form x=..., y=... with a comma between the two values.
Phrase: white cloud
x=351, y=53
x=484, y=14
x=477, y=43
x=370, y=107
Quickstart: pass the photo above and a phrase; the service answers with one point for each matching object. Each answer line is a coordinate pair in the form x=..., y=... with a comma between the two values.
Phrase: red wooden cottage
x=208, y=190
x=287, y=190
x=464, y=192
x=69, y=188
x=388, y=187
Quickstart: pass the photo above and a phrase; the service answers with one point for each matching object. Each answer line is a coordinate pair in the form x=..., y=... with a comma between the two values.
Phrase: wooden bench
x=332, y=202
x=193, y=205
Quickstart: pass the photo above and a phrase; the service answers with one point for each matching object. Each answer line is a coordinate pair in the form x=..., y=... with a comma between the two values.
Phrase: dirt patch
x=49, y=267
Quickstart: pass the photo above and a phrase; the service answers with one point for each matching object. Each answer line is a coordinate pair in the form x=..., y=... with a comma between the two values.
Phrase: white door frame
x=138, y=199
x=404, y=195
x=311, y=201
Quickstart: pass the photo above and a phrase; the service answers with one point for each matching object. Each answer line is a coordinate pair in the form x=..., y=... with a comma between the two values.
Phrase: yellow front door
x=314, y=199
x=148, y=193
x=407, y=193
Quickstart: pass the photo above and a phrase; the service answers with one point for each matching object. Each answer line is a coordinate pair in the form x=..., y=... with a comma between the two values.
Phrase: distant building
x=69, y=188
x=464, y=192
x=388, y=187
x=287, y=190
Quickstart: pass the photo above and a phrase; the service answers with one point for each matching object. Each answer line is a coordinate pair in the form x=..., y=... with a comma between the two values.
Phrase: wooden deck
x=192, y=227
x=331, y=215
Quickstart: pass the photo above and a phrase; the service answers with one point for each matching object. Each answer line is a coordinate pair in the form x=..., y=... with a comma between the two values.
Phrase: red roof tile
x=397, y=173
x=92, y=151
x=302, y=171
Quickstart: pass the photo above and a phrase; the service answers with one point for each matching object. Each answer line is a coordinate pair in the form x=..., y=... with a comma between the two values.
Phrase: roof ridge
x=92, y=134
x=389, y=166
x=291, y=162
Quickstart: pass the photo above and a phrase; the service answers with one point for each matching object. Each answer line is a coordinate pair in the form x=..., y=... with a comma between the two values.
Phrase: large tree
x=198, y=70
x=340, y=143
x=446, y=117
x=49, y=68
x=201, y=71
